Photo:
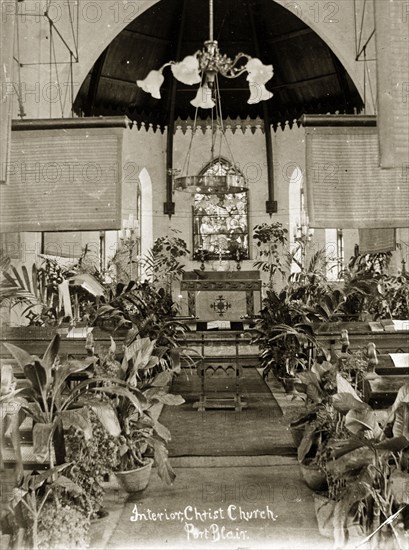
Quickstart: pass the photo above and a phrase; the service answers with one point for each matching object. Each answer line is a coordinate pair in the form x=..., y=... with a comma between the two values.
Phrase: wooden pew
x=328, y=335
x=380, y=392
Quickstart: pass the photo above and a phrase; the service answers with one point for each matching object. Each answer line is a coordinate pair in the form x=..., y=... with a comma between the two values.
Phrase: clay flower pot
x=135, y=481
x=313, y=477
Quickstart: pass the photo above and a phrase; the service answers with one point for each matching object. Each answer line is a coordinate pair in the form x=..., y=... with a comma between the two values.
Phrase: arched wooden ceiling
x=308, y=77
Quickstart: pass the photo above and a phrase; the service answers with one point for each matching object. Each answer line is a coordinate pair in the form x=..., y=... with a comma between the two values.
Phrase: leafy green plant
x=140, y=432
x=91, y=460
x=394, y=297
x=354, y=366
x=284, y=335
x=270, y=241
x=370, y=264
x=162, y=263
x=38, y=289
x=21, y=286
x=54, y=405
x=363, y=283
x=323, y=301
x=36, y=493
x=365, y=466
x=141, y=306
x=62, y=526
x=328, y=307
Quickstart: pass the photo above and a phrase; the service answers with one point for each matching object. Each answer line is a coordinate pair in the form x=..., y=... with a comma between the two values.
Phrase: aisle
x=222, y=508
x=232, y=489
x=260, y=429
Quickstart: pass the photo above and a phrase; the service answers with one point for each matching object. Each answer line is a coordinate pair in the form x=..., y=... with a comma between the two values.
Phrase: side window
x=334, y=241
x=220, y=221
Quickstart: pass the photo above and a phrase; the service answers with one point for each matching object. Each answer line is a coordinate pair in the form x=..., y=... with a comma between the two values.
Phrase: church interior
x=204, y=293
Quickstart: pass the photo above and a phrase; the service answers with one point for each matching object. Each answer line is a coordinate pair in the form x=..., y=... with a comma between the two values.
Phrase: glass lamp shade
x=152, y=83
x=211, y=184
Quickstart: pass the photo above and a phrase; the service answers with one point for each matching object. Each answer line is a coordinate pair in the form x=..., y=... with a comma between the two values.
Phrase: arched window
x=334, y=245
x=220, y=220
x=296, y=209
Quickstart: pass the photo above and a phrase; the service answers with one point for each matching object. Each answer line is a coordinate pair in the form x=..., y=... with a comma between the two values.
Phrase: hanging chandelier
x=204, y=68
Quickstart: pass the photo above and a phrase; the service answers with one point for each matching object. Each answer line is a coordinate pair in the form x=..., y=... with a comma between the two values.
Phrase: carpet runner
x=260, y=429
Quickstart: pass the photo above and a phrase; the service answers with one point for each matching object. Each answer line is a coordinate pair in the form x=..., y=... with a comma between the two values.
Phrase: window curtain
x=65, y=179
x=392, y=54
x=345, y=185
x=372, y=241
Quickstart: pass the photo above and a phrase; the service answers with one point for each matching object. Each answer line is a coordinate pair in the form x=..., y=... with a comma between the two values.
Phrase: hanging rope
x=53, y=63
x=222, y=131
x=56, y=72
x=361, y=51
x=211, y=20
x=17, y=89
x=74, y=38
x=50, y=27
x=362, y=27
x=186, y=164
x=374, y=100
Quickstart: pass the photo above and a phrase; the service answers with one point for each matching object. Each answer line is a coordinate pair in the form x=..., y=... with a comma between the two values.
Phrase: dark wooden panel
x=381, y=391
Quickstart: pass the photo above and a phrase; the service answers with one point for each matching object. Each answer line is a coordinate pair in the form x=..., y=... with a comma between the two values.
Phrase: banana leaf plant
x=141, y=434
x=54, y=405
x=284, y=334
x=142, y=309
x=370, y=463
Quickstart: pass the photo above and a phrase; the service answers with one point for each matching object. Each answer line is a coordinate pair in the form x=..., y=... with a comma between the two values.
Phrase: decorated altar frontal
x=222, y=295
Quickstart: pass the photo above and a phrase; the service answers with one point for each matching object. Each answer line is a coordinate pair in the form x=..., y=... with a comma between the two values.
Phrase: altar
x=222, y=295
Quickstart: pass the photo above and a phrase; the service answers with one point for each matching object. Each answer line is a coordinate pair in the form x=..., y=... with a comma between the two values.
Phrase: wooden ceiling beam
x=148, y=37
x=342, y=80
x=169, y=205
x=271, y=203
x=289, y=35
x=94, y=83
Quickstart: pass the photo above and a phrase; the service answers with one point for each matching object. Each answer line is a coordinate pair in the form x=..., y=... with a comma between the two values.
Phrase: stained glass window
x=220, y=221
